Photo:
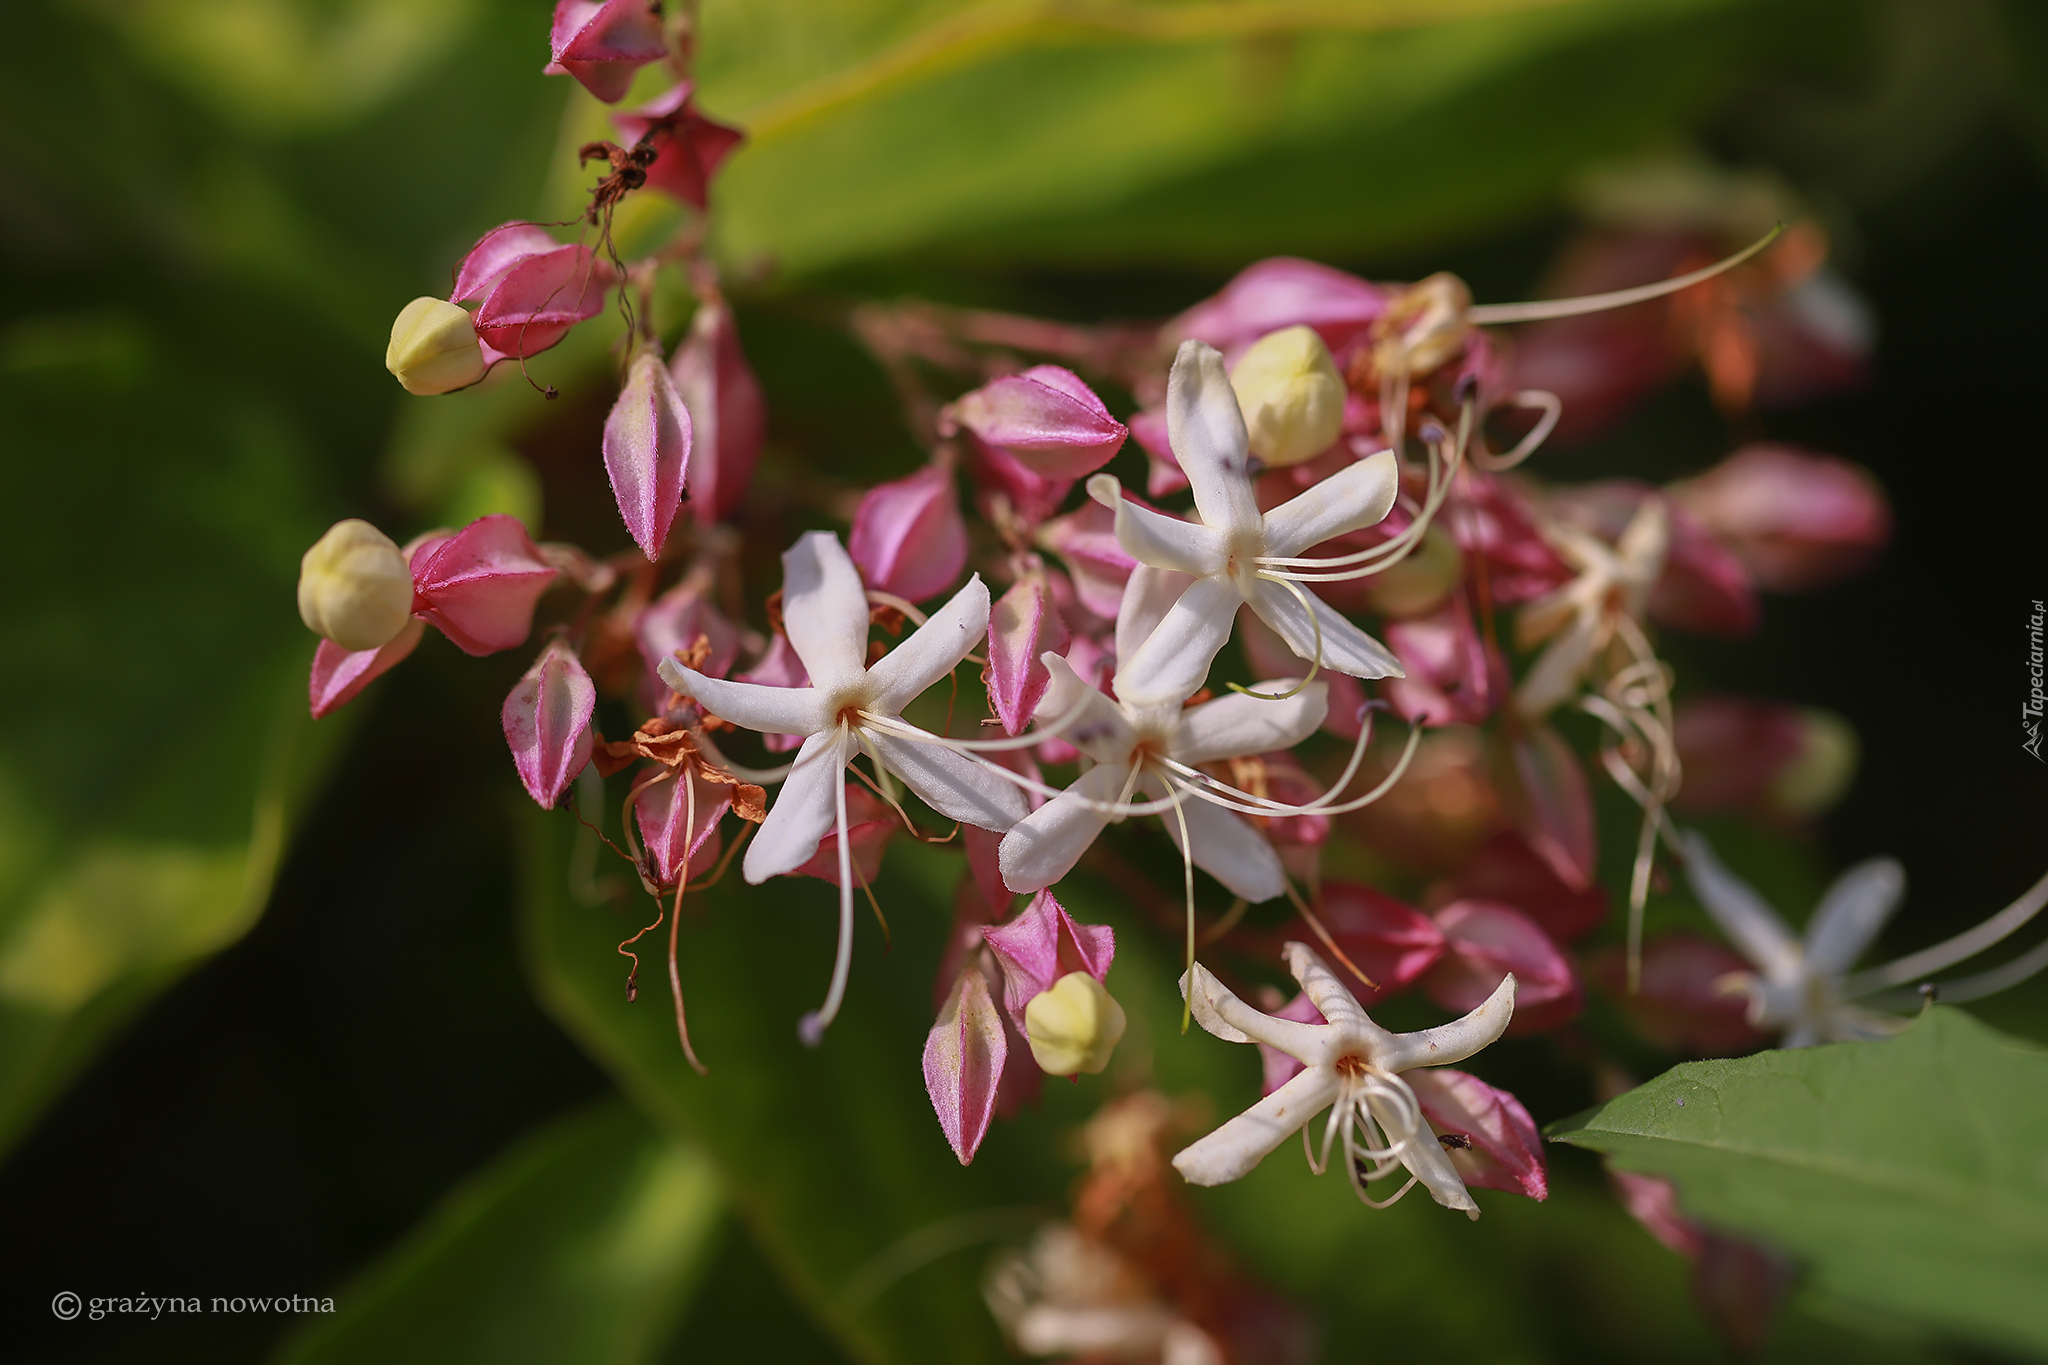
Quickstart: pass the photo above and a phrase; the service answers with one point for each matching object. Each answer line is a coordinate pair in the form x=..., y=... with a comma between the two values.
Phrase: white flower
x=1156, y=747
x=1193, y=574
x=1802, y=987
x=1582, y=617
x=850, y=708
x=1352, y=1067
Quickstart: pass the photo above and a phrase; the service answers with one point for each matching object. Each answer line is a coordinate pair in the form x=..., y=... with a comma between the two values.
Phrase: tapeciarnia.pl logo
x=2030, y=712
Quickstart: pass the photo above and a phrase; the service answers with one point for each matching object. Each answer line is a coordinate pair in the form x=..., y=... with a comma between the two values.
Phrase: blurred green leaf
x=1908, y=1173
x=1134, y=130
x=582, y=1244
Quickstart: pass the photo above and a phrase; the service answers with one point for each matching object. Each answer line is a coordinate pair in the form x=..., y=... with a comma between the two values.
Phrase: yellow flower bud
x=434, y=348
x=355, y=587
x=1815, y=780
x=1073, y=1026
x=1420, y=583
x=1291, y=395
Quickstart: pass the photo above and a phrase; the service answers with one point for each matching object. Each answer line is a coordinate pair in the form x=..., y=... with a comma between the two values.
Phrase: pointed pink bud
x=1796, y=520
x=673, y=621
x=535, y=301
x=1022, y=625
x=603, y=42
x=647, y=451
x=963, y=1062
x=1682, y=1001
x=1282, y=292
x=1085, y=540
x=869, y=823
x=1653, y=1201
x=778, y=667
x=1043, y=944
x=908, y=537
x=1487, y=1133
x=1551, y=804
x=1163, y=474
x=1449, y=679
x=495, y=253
x=724, y=399
x=1506, y=868
x=480, y=585
x=1047, y=418
x=1483, y=942
x=674, y=846
x=688, y=148
x=547, y=722
x=339, y=674
x=1732, y=749
x=1490, y=518
x=995, y=472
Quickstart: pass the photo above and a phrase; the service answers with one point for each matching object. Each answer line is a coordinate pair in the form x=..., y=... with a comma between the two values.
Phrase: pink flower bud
x=1047, y=418
x=726, y=410
x=1022, y=625
x=1681, y=1002
x=1797, y=521
x=1502, y=1149
x=674, y=847
x=964, y=1057
x=1391, y=943
x=908, y=537
x=339, y=674
x=603, y=42
x=778, y=667
x=1085, y=540
x=1163, y=474
x=1551, y=805
x=647, y=451
x=995, y=472
x=1282, y=292
x=1483, y=942
x=495, y=253
x=1450, y=680
x=532, y=293
x=1506, y=868
x=547, y=722
x=869, y=823
x=480, y=585
x=688, y=148
x=1040, y=946
x=674, y=620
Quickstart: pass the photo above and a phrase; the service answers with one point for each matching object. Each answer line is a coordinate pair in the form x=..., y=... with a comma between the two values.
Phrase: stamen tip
x=811, y=1029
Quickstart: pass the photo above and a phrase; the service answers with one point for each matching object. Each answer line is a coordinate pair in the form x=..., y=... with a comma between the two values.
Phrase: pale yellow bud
x=355, y=587
x=434, y=348
x=1074, y=1026
x=1418, y=584
x=1815, y=780
x=1291, y=395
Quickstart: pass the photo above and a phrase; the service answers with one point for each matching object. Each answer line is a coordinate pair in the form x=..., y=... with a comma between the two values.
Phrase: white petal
x=771, y=710
x=1226, y=847
x=951, y=783
x=1328, y=993
x=1205, y=427
x=1236, y=725
x=1459, y=1039
x=1218, y=1010
x=1173, y=663
x=805, y=810
x=825, y=610
x=1851, y=913
x=933, y=650
x=1425, y=1159
x=1168, y=542
x=1345, y=648
x=1149, y=594
x=1556, y=674
x=1044, y=846
x=1754, y=928
x=1356, y=496
x=1242, y=1143
x=1100, y=730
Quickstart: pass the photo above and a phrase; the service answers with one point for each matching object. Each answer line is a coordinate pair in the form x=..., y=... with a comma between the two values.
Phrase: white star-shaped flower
x=851, y=708
x=1352, y=1067
x=1802, y=987
x=1582, y=617
x=1192, y=575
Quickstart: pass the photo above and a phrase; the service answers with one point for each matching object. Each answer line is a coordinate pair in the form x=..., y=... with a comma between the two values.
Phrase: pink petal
x=1680, y=1004
x=339, y=674
x=1450, y=678
x=964, y=1059
x=1506, y=1152
x=908, y=537
x=1047, y=418
x=1484, y=941
x=1278, y=1067
x=1796, y=520
x=661, y=813
x=724, y=399
x=985, y=875
x=689, y=147
x=480, y=585
x=535, y=303
x=647, y=452
x=1163, y=474
x=496, y=252
x=1732, y=749
x=1489, y=518
x=1022, y=625
x=603, y=44
x=1282, y=292
x=869, y=823
x=1391, y=943
x=1551, y=804
x=547, y=722
x=1506, y=868
x=1653, y=1202
x=1042, y=945
x=1031, y=496
x=1085, y=540
x=673, y=621
x=779, y=667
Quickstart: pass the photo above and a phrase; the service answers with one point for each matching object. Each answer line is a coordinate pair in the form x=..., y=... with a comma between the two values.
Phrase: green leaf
x=582, y=1244
x=1908, y=1173
x=1093, y=130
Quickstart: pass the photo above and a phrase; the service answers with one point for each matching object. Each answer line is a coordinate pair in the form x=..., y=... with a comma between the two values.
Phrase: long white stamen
x=1028, y=740
x=762, y=777
x=812, y=1026
x=1315, y=665
x=1187, y=862
x=1443, y=466
x=1553, y=408
x=1966, y=944
x=1997, y=979
x=1494, y=314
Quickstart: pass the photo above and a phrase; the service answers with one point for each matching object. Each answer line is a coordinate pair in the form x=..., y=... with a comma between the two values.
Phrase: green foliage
x=1907, y=1173
x=582, y=1244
